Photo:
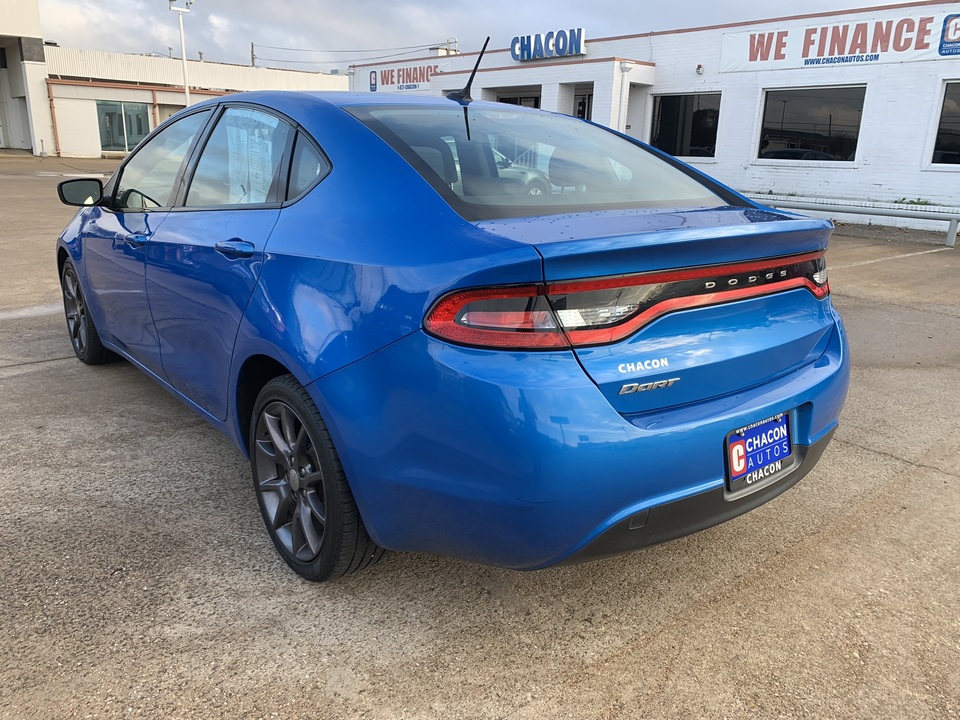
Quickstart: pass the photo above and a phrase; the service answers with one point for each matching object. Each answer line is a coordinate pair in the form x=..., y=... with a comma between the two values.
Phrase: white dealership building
x=862, y=105
x=86, y=103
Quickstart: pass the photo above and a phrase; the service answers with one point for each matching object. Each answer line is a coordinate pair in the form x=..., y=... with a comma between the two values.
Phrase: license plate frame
x=760, y=453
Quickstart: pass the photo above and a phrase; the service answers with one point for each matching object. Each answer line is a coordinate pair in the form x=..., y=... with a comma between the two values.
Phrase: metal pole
x=123, y=124
x=183, y=56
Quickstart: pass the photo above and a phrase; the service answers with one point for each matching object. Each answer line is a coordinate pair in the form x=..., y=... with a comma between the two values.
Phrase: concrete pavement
x=138, y=580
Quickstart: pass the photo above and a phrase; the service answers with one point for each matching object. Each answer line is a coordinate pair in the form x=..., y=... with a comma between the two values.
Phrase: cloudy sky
x=224, y=29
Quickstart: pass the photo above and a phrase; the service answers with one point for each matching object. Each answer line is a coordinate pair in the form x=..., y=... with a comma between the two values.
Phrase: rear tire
x=83, y=333
x=304, y=498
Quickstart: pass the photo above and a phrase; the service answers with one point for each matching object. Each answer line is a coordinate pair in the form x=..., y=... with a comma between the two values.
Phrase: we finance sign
x=853, y=42
x=414, y=77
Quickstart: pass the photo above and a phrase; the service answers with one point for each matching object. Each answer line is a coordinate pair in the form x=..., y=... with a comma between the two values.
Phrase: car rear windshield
x=488, y=162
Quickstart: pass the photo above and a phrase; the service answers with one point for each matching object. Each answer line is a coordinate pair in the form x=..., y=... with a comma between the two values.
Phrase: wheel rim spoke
x=285, y=508
x=312, y=540
x=273, y=484
x=287, y=423
x=73, y=325
x=299, y=448
x=70, y=287
x=317, y=508
x=273, y=426
x=266, y=447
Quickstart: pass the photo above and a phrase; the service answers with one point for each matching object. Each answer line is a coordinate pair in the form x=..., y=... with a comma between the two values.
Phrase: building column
x=557, y=97
x=32, y=87
x=611, y=94
x=606, y=97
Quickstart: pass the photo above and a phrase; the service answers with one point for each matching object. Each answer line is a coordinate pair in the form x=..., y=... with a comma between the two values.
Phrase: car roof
x=280, y=99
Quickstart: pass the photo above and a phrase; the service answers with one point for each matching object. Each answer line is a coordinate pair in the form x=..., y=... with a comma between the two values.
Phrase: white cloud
x=224, y=29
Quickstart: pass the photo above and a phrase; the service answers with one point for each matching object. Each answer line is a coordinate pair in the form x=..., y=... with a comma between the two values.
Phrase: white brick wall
x=899, y=122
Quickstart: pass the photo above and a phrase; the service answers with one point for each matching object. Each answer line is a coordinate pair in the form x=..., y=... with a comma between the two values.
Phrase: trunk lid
x=697, y=344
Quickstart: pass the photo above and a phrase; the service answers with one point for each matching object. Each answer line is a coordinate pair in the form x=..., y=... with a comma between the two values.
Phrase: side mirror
x=81, y=192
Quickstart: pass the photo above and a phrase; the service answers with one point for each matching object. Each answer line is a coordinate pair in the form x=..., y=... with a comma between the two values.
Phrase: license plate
x=759, y=451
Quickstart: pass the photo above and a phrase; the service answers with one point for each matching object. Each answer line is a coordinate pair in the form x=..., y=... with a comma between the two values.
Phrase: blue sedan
x=416, y=353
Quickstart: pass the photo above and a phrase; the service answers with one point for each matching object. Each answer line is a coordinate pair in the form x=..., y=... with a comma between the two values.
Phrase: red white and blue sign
x=950, y=37
x=759, y=451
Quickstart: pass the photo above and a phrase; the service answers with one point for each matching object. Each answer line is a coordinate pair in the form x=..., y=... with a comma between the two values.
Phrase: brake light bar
x=605, y=310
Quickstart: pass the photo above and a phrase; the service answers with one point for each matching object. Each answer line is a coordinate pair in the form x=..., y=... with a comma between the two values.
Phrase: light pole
x=183, y=43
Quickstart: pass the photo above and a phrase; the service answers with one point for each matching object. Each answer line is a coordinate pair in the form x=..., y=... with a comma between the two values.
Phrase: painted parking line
x=32, y=311
x=889, y=257
x=9, y=371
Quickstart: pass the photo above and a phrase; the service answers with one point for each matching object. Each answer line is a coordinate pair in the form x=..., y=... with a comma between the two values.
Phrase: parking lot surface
x=138, y=580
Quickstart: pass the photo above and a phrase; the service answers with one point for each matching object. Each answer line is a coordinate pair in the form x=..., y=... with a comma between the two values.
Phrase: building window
x=812, y=124
x=530, y=101
x=947, y=148
x=686, y=125
x=122, y=125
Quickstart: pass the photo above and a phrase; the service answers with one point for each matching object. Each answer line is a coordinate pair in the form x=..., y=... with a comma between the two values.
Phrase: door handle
x=235, y=248
x=136, y=240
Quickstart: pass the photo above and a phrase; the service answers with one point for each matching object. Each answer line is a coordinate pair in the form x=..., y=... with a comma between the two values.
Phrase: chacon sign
x=556, y=43
x=898, y=39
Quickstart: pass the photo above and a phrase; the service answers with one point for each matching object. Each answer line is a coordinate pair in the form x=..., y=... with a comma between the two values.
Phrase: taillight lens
x=511, y=317
x=606, y=310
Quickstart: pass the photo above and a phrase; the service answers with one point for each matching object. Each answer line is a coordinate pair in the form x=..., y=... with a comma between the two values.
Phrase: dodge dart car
x=418, y=354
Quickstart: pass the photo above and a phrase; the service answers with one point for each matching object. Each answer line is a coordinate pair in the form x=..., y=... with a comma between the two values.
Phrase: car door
x=204, y=261
x=116, y=237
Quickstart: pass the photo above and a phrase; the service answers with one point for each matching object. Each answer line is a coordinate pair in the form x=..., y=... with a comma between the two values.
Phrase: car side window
x=147, y=180
x=241, y=162
x=308, y=166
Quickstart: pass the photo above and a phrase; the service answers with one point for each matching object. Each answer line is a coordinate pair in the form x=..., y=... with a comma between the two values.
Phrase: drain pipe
x=53, y=118
x=625, y=68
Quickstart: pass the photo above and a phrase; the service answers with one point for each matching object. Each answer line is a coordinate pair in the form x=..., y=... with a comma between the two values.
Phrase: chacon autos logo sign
x=950, y=38
x=903, y=39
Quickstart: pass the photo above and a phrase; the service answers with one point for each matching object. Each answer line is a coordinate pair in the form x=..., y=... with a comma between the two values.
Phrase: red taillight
x=606, y=310
x=509, y=317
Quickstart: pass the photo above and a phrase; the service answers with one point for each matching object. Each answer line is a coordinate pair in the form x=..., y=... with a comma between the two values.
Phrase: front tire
x=83, y=333
x=536, y=188
x=301, y=488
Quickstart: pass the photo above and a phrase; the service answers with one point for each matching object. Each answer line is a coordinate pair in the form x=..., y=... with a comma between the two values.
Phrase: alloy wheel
x=290, y=481
x=76, y=311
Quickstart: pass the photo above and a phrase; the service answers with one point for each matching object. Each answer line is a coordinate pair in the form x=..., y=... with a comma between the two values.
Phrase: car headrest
x=564, y=171
x=440, y=159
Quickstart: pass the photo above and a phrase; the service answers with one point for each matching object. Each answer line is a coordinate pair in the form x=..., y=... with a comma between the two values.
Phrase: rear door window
x=242, y=161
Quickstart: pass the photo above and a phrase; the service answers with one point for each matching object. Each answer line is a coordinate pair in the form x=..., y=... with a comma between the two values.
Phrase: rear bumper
x=518, y=460
x=692, y=514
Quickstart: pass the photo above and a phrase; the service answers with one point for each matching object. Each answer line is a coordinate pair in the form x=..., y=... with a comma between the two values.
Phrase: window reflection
x=947, y=147
x=686, y=125
x=812, y=124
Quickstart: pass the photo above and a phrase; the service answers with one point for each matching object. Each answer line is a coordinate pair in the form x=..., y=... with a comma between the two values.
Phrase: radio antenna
x=463, y=96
